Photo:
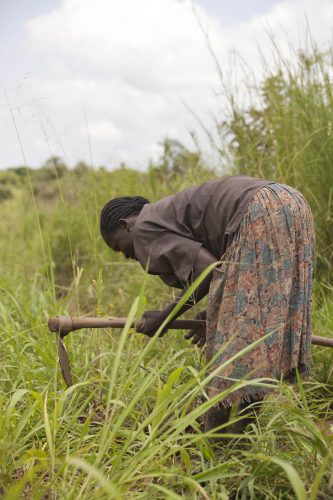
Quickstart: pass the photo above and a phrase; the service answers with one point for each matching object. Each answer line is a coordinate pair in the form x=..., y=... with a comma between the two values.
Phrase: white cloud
x=104, y=130
x=123, y=67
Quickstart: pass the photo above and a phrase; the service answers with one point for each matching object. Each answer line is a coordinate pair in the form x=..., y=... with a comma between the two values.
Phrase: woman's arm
x=152, y=320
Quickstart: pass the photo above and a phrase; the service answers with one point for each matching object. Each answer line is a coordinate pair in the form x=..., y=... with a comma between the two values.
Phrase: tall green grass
x=131, y=424
x=284, y=133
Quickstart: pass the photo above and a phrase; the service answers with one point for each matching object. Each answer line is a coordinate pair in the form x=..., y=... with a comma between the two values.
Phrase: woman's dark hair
x=119, y=208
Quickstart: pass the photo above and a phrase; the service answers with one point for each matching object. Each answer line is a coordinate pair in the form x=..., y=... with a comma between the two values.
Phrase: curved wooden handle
x=323, y=341
x=66, y=324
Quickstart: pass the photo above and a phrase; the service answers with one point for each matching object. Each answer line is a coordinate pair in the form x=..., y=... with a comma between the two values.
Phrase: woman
x=262, y=234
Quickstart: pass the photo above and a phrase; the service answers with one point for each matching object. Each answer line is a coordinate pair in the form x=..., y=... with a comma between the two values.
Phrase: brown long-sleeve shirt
x=168, y=234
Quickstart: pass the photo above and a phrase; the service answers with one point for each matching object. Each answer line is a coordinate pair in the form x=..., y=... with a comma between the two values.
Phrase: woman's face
x=121, y=240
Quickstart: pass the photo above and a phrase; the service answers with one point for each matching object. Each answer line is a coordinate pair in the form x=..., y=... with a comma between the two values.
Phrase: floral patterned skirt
x=263, y=285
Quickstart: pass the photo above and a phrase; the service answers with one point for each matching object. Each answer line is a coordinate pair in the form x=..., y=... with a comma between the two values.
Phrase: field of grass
x=130, y=427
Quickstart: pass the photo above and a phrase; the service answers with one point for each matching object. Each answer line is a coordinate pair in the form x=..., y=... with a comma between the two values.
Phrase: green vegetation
x=130, y=427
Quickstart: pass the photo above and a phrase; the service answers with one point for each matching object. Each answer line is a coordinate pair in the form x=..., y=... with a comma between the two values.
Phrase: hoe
x=63, y=325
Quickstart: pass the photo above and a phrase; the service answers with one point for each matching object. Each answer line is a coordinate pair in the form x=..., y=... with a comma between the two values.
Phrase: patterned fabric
x=263, y=285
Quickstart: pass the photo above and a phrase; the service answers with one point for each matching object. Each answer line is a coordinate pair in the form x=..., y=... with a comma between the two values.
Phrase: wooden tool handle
x=323, y=341
x=67, y=324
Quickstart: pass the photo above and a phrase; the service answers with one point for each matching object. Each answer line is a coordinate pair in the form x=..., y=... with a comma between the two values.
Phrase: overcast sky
x=106, y=80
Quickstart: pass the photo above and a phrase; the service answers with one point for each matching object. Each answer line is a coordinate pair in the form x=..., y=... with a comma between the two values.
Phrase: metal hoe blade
x=63, y=325
x=64, y=361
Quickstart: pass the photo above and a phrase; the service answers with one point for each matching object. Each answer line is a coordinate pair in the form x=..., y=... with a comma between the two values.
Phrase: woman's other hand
x=198, y=334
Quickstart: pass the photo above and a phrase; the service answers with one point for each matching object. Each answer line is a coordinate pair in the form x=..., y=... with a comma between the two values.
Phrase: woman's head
x=117, y=219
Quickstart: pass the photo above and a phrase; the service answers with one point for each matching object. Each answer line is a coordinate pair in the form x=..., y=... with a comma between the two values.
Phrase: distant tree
x=5, y=194
x=9, y=178
x=54, y=167
x=21, y=171
x=81, y=169
x=176, y=158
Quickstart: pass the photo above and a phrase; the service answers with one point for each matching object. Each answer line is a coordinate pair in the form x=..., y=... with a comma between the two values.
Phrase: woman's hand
x=198, y=335
x=150, y=323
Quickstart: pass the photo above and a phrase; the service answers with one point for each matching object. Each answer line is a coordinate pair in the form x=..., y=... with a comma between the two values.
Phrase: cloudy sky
x=106, y=80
